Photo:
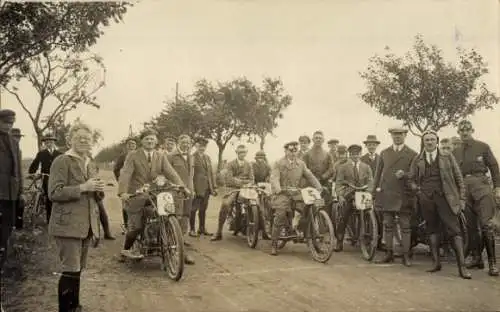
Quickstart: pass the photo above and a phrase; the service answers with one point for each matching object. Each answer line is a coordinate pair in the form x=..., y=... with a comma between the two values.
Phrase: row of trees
x=220, y=112
x=421, y=89
x=45, y=45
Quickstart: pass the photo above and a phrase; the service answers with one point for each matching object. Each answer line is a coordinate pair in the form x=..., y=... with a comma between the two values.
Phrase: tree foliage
x=223, y=111
x=423, y=90
x=29, y=29
x=62, y=83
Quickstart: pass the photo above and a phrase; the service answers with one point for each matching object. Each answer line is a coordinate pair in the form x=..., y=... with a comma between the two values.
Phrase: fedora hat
x=371, y=139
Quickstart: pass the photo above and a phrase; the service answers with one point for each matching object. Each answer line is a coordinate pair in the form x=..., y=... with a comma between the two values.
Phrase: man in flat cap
x=436, y=178
x=332, y=149
x=393, y=194
x=475, y=159
x=286, y=173
x=261, y=168
x=353, y=172
x=304, y=142
x=456, y=142
x=445, y=146
x=43, y=160
x=342, y=159
x=204, y=186
x=239, y=172
x=130, y=145
x=170, y=145
x=20, y=205
x=142, y=166
x=10, y=178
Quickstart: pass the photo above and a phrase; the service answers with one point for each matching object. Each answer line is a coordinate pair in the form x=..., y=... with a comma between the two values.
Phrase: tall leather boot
x=340, y=237
x=406, y=242
x=389, y=243
x=434, y=245
x=458, y=246
x=489, y=240
x=222, y=218
x=477, y=259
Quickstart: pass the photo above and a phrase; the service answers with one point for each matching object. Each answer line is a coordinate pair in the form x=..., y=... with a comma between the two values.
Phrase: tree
x=67, y=82
x=226, y=110
x=29, y=29
x=181, y=117
x=424, y=91
x=269, y=109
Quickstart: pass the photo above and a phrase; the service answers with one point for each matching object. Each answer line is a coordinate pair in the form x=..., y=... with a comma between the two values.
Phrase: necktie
x=430, y=158
x=149, y=158
x=356, y=173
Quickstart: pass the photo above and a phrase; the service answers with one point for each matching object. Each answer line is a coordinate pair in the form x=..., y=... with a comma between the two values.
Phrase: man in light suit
x=182, y=162
x=204, y=186
x=393, y=194
x=141, y=167
x=354, y=172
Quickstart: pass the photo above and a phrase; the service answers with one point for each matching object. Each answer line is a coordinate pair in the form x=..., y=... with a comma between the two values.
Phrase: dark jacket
x=45, y=159
x=10, y=168
x=119, y=165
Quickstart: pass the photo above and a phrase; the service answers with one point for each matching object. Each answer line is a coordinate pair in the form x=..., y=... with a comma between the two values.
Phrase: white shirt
x=431, y=156
x=241, y=163
x=397, y=148
x=372, y=156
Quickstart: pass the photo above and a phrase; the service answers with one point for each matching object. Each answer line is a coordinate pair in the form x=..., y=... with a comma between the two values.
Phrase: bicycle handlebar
x=357, y=188
x=159, y=189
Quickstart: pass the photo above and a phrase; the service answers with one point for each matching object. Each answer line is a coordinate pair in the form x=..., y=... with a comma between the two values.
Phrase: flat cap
x=148, y=132
x=354, y=148
x=7, y=115
x=456, y=139
x=16, y=132
x=170, y=139
x=128, y=140
x=260, y=154
x=398, y=130
x=305, y=139
x=333, y=141
x=201, y=141
x=465, y=125
x=341, y=149
x=291, y=144
x=49, y=137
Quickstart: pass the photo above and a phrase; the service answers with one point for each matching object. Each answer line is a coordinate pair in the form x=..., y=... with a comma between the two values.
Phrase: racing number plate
x=363, y=200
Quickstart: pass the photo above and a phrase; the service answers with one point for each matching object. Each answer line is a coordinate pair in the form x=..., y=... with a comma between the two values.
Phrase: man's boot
x=188, y=260
x=218, y=235
x=458, y=246
x=388, y=258
x=434, y=246
x=389, y=245
x=476, y=256
x=340, y=243
x=489, y=240
x=274, y=248
x=406, y=242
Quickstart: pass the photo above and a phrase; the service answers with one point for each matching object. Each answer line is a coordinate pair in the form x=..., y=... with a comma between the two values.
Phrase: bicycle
x=162, y=234
x=363, y=221
x=36, y=199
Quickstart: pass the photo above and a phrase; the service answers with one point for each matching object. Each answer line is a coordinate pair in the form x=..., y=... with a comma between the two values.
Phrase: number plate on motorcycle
x=363, y=200
x=164, y=203
x=319, y=202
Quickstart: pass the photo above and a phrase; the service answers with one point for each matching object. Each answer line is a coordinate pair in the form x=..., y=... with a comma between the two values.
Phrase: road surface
x=229, y=277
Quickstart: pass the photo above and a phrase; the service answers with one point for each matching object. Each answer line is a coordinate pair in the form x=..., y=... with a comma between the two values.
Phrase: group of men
x=439, y=182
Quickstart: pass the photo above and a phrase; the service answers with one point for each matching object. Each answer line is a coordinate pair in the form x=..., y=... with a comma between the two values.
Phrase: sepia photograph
x=250, y=156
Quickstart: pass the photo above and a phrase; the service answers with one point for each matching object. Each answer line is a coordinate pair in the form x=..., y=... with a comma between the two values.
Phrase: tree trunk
x=39, y=137
x=221, y=148
x=262, y=141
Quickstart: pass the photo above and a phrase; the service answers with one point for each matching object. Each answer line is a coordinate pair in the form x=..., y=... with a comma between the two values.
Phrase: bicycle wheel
x=352, y=228
x=368, y=234
x=172, y=247
x=34, y=208
x=321, y=232
x=252, y=227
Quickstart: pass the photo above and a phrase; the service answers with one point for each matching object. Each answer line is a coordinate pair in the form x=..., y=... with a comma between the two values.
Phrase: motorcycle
x=315, y=226
x=162, y=235
x=245, y=216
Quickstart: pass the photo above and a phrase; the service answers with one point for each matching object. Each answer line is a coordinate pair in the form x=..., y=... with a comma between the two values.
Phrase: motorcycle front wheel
x=252, y=226
x=321, y=233
x=172, y=247
x=368, y=234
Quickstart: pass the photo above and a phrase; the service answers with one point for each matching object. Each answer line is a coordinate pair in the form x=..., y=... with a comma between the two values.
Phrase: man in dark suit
x=204, y=186
x=182, y=162
x=371, y=158
x=10, y=179
x=44, y=159
x=16, y=136
x=392, y=192
x=354, y=172
x=436, y=178
x=131, y=145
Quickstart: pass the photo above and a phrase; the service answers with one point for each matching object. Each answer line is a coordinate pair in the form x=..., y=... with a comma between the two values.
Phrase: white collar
x=431, y=154
x=85, y=159
x=398, y=147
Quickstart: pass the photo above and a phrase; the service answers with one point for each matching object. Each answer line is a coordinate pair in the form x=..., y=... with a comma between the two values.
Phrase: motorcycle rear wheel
x=252, y=226
x=172, y=247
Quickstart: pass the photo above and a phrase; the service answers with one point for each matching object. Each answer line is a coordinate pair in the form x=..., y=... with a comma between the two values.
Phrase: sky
x=317, y=48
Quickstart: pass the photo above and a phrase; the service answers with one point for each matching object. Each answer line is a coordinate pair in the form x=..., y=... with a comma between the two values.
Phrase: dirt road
x=229, y=277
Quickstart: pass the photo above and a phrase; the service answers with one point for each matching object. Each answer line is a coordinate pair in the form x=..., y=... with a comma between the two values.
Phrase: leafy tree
x=423, y=90
x=269, y=109
x=63, y=83
x=29, y=29
x=181, y=117
x=227, y=110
